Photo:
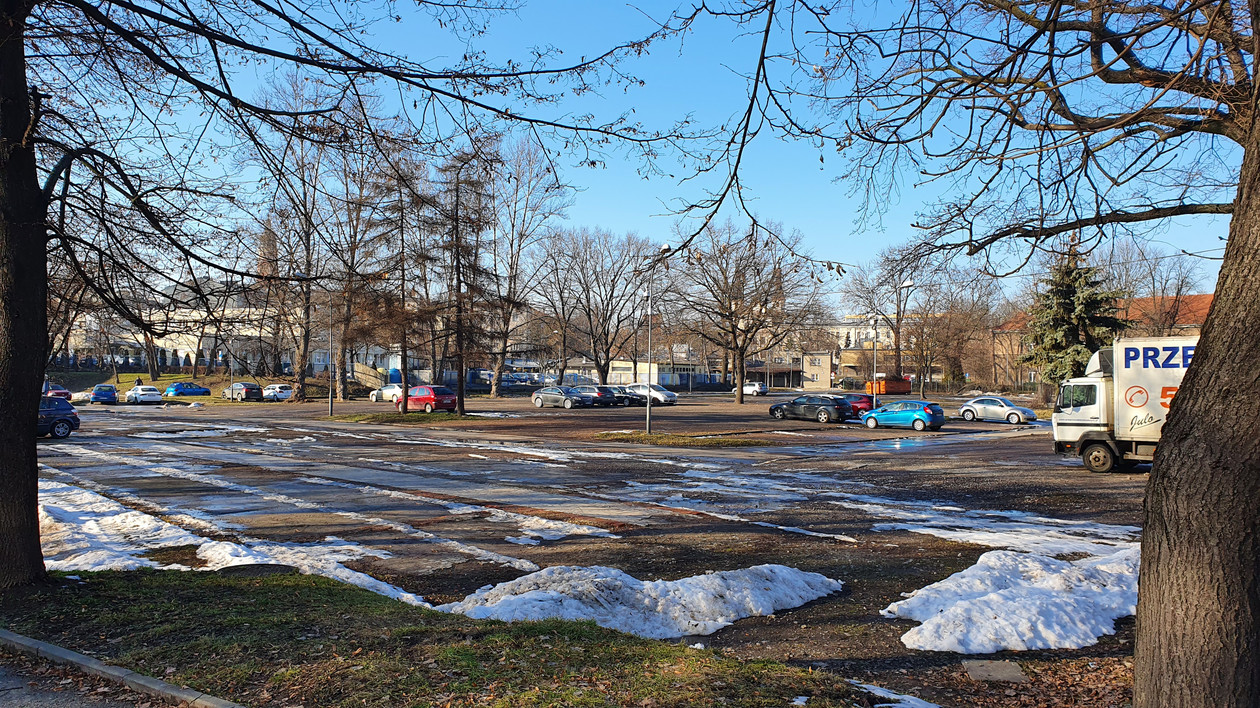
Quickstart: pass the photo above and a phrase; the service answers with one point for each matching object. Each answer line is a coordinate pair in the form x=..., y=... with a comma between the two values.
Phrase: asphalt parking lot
x=448, y=507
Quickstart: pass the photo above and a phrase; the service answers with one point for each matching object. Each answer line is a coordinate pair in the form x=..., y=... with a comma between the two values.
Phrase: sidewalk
x=26, y=682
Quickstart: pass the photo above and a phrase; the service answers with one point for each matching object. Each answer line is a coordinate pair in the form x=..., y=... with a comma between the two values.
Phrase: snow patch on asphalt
x=997, y=529
x=532, y=527
x=899, y=700
x=659, y=609
x=1021, y=601
x=81, y=530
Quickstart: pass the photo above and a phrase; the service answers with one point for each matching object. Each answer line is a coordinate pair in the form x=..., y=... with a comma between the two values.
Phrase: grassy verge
x=671, y=440
x=413, y=418
x=288, y=640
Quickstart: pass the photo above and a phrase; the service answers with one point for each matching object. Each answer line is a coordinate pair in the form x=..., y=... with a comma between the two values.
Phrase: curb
x=127, y=677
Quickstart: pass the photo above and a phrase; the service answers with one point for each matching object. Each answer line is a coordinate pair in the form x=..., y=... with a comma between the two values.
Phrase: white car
x=996, y=408
x=278, y=392
x=659, y=393
x=388, y=392
x=144, y=394
x=754, y=388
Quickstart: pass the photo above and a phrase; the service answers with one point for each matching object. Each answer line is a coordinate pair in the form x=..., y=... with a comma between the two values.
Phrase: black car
x=824, y=409
x=56, y=417
x=628, y=397
x=603, y=395
x=243, y=391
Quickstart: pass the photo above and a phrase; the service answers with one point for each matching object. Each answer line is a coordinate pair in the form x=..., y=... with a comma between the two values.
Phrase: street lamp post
x=874, y=355
x=332, y=373
x=648, y=406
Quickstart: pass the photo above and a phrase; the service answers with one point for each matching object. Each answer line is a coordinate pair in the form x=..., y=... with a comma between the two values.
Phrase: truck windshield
x=1078, y=396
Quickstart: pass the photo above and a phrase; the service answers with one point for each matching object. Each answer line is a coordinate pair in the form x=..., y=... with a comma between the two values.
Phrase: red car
x=429, y=398
x=861, y=402
x=57, y=392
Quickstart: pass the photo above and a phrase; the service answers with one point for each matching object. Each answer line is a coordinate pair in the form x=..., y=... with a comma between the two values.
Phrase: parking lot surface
x=450, y=507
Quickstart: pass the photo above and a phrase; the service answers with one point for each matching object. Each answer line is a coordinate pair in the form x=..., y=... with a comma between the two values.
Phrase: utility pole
x=331, y=363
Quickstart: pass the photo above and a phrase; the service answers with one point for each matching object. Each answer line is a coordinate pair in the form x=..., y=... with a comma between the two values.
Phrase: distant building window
x=778, y=360
x=815, y=361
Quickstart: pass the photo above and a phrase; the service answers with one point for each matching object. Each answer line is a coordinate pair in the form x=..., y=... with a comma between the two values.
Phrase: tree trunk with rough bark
x=1198, y=619
x=23, y=310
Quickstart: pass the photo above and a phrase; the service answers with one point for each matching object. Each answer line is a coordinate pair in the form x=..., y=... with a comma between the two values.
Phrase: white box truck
x=1113, y=415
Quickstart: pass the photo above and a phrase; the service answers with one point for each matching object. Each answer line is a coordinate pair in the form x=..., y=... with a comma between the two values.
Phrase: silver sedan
x=996, y=408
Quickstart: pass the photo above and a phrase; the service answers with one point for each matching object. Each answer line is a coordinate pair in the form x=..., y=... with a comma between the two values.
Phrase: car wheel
x=60, y=429
x=824, y=417
x=538, y=403
x=396, y=398
x=919, y=425
x=872, y=423
x=568, y=403
x=969, y=414
x=1013, y=419
x=372, y=396
x=1098, y=458
x=777, y=413
x=626, y=403
x=428, y=408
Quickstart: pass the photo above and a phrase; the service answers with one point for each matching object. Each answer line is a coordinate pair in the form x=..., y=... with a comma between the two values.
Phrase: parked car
x=996, y=408
x=659, y=393
x=389, y=392
x=103, y=393
x=919, y=415
x=602, y=395
x=754, y=388
x=243, y=391
x=277, y=392
x=57, y=391
x=560, y=396
x=824, y=409
x=56, y=417
x=861, y=402
x=428, y=399
x=184, y=388
x=144, y=394
x=628, y=397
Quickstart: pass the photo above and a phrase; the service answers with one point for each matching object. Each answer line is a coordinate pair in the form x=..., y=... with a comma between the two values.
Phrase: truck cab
x=1113, y=417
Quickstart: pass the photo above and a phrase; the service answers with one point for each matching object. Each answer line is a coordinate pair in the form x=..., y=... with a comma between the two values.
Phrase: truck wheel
x=1098, y=458
x=1013, y=419
x=969, y=414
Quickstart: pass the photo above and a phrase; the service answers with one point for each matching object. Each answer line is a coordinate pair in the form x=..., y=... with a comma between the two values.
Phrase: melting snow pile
x=1021, y=601
x=659, y=609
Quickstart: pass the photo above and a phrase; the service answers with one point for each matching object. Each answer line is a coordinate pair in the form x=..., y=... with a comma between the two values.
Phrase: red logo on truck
x=1136, y=396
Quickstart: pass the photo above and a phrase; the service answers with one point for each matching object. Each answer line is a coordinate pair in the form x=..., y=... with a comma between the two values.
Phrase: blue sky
x=697, y=75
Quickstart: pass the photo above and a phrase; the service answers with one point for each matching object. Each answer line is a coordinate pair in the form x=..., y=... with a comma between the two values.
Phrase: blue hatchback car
x=103, y=393
x=920, y=415
x=183, y=388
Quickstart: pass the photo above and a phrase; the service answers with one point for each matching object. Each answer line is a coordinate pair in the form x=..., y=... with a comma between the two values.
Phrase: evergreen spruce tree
x=1072, y=317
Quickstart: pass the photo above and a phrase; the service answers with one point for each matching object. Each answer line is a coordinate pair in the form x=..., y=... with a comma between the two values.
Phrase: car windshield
x=249, y=385
x=147, y=389
x=658, y=387
x=103, y=389
x=1005, y=402
x=442, y=391
x=571, y=391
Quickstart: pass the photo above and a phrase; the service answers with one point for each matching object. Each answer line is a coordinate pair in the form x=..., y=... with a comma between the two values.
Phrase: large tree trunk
x=303, y=347
x=741, y=370
x=1198, y=620
x=23, y=311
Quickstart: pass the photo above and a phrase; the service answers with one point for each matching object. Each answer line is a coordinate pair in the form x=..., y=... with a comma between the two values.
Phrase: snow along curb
x=127, y=677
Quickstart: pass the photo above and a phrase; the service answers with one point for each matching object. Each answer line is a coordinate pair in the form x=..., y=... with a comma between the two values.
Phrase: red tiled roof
x=1192, y=311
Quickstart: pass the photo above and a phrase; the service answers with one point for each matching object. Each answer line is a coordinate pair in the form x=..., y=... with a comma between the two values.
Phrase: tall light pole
x=332, y=372
x=874, y=356
x=651, y=276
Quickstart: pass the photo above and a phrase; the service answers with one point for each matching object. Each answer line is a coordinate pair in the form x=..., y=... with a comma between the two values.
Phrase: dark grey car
x=562, y=396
